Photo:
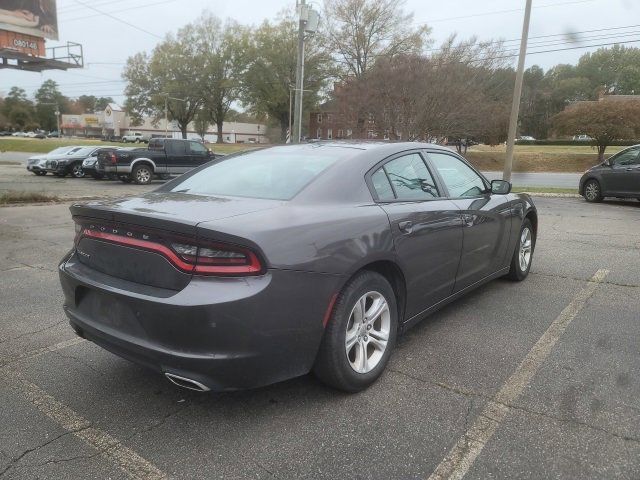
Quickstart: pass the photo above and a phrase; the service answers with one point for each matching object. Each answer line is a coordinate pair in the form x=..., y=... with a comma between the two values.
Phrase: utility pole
x=297, y=121
x=166, y=116
x=517, y=93
x=307, y=23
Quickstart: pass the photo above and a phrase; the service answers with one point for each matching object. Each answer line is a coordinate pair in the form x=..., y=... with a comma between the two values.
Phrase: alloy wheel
x=368, y=331
x=143, y=175
x=77, y=172
x=592, y=191
x=525, y=249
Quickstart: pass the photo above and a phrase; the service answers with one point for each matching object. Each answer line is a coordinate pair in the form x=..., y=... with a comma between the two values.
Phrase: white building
x=113, y=121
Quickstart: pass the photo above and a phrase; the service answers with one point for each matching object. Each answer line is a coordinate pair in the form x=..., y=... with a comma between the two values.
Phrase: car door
x=486, y=218
x=622, y=177
x=427, y=228
x=177, y=156
x=198, y=154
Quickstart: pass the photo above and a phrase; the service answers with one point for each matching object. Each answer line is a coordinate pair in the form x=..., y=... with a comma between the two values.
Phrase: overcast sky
x=107, y=42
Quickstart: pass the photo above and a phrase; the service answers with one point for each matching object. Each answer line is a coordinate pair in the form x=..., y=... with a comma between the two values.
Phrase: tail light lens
x=200, y=258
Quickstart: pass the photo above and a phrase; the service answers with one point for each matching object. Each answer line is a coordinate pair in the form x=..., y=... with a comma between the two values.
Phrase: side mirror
x=500, y=187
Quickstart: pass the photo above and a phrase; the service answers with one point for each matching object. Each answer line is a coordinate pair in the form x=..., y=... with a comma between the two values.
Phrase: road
x=540, y=179
x=517, y=380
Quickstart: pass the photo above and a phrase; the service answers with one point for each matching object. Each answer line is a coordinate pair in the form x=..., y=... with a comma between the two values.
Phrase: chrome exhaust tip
x=186, y=382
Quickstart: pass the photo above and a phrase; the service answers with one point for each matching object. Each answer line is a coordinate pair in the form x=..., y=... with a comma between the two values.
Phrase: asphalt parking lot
x=518, y=380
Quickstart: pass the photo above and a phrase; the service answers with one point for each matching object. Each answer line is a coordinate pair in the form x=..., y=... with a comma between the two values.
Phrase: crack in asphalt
x=470, y=394
x=32, y=333
x=567, y=277
x=12, y=463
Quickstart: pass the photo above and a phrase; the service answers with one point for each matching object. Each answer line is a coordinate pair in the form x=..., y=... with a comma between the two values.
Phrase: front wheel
x=360, y=334
x=523, y=254
x=76, y=170
x=592, y=191
x=41, y=173
x=142, y=174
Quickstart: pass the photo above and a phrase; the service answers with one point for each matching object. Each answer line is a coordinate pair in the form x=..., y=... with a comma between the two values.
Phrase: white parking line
x=461, y=457
x=132, y=464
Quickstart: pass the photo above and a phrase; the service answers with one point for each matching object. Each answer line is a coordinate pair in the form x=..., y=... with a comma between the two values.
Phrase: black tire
x=333, y=364
x=76, y=170
x=165, y=176
x=97, y=176
x=125, y=179
x=142, y=174
x=592, y=191
x=42, y=173
x=516, y=272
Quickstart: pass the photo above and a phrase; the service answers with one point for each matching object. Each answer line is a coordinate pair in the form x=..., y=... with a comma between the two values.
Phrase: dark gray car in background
x=272, y=263
x=618, y=176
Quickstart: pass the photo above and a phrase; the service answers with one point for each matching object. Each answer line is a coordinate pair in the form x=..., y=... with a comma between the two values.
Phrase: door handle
x=406, y=227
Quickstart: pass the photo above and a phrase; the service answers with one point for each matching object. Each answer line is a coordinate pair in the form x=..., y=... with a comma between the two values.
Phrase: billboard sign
x=38, y=18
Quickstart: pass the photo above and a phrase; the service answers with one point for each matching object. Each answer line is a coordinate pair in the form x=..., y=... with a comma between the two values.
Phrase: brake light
x=202, y=258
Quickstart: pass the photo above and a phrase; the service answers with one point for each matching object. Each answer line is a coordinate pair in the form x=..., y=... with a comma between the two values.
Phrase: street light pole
x=517, y=92
x=297, y=121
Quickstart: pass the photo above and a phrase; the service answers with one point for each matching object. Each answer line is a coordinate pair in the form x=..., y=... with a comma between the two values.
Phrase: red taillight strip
x=253, y=266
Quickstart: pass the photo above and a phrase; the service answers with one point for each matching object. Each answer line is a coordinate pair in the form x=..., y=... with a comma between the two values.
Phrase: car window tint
x=277, y=173
x=197, y=148
x=382, y=186
x=410, y=178
x=176, y=147
x=460, y=179
x=629, y=157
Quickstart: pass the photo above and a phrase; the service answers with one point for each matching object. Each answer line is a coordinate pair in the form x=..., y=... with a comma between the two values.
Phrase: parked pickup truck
x=135, y=137
x=163, y=157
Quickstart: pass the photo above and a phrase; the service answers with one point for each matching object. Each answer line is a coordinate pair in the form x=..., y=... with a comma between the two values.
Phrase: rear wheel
x=592, y=191
x=523, y=254
x=142, y=174
x=359, y=335
x=76, y=170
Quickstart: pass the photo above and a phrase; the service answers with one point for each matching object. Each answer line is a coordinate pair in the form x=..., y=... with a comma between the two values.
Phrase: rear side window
x=176, y=147
x=277, y=173
x=382, y=186
x=410, y=179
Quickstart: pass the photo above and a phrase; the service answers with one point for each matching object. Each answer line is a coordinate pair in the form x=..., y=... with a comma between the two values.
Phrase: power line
x=498, y=12
x=77, y=8
x=120, y=10
x=118, y=19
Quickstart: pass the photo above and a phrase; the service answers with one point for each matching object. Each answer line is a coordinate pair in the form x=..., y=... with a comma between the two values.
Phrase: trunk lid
x=122, y=226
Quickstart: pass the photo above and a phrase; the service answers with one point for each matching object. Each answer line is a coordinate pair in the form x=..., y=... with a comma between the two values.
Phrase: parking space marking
x=464, y=453
x=132, y=464
x=41, y=351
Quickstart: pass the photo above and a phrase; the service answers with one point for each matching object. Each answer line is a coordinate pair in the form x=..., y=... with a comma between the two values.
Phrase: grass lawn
x=538, y=158
x=12, y=197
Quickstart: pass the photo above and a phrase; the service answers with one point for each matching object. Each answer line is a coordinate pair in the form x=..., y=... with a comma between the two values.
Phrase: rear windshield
x=277, y=174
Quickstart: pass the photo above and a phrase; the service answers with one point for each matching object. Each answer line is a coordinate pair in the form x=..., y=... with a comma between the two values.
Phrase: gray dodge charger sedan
x=273, y=263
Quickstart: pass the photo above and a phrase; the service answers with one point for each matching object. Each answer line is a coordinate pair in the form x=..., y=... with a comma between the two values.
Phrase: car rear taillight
x=201, y=258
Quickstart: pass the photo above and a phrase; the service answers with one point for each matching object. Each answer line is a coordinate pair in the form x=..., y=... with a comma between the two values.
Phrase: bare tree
x=361, y=31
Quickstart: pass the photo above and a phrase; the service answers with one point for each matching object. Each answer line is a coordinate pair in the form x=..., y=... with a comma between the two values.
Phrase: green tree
x=358, y=32
x=221, y=50
x=271, y=72
x=615, y=70
x=166, y=77
x=18, y=109
x=49, y=100
x=604, y=121
x=201, y=123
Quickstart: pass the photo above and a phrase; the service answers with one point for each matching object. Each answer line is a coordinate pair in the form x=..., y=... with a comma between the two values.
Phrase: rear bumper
x=225, y=333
